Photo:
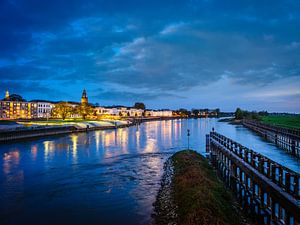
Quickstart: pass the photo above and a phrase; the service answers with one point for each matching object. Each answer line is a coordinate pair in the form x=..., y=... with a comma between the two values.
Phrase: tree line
x=244, y=114
x=65, y=110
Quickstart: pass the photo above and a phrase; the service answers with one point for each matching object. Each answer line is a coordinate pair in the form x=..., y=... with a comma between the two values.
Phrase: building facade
x=44, y=109
x=119, y=111
x=158, y=113
x=18, y=110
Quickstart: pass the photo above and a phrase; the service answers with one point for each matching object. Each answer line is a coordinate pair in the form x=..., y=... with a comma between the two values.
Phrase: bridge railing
x=284, y=177
x=277, y=129
x=263, y=182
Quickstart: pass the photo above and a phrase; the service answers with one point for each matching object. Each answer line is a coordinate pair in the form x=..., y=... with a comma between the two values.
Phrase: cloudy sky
x=166, y=53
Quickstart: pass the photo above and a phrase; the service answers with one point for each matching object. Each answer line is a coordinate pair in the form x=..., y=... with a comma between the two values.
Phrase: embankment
x=192, y=194
x=42, y=131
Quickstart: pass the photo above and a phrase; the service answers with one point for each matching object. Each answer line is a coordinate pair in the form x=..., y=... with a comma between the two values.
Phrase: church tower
x=6, y=95
x=84, y=98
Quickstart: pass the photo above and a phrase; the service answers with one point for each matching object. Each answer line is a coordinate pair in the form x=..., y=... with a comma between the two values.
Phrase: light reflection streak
x=48, y=149
x=151, y=145
x=34, y=150
x=97, y=138
x=124, y=141
x=74, y=139
x=137, y=138
x=11, y=159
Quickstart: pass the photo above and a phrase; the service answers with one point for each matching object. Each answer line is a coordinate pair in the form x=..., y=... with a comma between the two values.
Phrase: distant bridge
x=285, y=138
x=264, y=188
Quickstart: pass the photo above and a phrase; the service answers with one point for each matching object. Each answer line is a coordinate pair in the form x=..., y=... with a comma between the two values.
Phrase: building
x=44, y=109
x=158, y=113
x=119, y=111
x=15, y=107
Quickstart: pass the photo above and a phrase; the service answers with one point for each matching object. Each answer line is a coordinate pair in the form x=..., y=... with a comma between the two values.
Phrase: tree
x=84, y=110
x=139, y=105
x=239, y=114
x=196, y=112
x=62, y=110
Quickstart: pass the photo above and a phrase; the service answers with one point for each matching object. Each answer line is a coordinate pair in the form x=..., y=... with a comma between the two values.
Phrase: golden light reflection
x=166, y=127
x=48, y=149
x=34, y=151
x=97, y=139
x=124, y=141
x=151, y=145
x=137, y=138
x=10, y=159
x=74, y=139
x=109, y=139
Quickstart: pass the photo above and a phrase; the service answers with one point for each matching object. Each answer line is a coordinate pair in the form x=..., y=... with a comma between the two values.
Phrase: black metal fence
x=285, y=138
x=265, y=188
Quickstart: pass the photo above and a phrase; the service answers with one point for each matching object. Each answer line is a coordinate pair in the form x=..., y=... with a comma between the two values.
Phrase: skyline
x=171, y=54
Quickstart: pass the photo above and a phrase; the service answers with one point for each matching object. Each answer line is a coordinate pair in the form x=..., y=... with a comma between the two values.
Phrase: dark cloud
x=25, y=89
x=129, y=96
x=167, y=46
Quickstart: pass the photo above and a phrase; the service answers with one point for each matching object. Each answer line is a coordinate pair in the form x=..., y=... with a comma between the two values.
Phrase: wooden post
x=293, y=148
x=207, y=144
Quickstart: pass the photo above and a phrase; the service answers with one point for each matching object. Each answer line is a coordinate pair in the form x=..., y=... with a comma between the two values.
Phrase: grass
x=283, y=121
x=201, y=198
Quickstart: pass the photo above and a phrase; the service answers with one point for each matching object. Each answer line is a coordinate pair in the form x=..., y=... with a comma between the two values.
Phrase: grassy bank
x=283, y=121
x=200, y=198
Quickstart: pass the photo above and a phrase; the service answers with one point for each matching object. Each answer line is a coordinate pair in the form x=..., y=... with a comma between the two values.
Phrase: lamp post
x=188, y=135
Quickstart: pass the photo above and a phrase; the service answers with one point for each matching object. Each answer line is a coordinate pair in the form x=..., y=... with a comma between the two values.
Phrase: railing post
x=207, y=143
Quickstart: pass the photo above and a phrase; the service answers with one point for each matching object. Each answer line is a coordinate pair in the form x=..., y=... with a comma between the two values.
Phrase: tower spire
x=84, y=98
x=7, y=94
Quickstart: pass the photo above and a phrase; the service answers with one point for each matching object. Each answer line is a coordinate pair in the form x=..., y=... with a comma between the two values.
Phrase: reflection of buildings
x=74, y=139
x=13, y=179
x=49, y=148
x=34, y=151
x=166, y=134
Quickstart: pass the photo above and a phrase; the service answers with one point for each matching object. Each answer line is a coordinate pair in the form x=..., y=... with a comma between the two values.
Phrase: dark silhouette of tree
x=239, y=114
x=139, y=105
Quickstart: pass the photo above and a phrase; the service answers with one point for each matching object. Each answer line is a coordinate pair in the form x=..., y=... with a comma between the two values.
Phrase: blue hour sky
x=166, y=53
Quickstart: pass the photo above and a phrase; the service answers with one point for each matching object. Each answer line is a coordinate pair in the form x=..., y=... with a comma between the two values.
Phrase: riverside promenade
x=21, y=133
x=38, y=129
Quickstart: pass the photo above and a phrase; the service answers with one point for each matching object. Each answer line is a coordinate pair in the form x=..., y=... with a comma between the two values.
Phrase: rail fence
x=285, y=138
x=264, y=188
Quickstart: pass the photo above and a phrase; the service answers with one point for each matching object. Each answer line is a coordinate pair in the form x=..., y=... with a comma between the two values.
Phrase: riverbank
x=15, y=131
x=38, y=130
x=192, y=194
x=231, y=120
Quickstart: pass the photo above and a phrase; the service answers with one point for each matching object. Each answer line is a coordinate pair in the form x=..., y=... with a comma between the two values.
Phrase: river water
x=103, y=177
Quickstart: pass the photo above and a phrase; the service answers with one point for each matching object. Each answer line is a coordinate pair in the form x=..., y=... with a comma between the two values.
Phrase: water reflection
x=74, y=139
x=34, y=150
x=109, y=177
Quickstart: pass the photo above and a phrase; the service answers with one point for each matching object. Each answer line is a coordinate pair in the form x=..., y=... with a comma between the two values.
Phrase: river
x=103, y=177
